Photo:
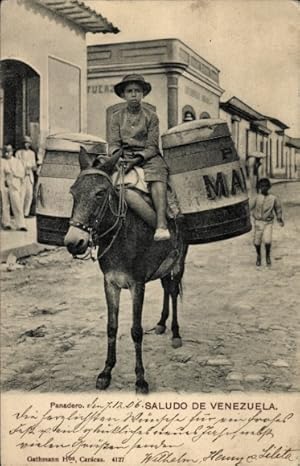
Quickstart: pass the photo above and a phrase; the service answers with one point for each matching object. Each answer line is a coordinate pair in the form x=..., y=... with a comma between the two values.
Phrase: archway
x=20, y=103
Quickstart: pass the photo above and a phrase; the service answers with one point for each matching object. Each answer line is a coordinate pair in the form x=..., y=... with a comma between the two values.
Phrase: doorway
x=20, y=102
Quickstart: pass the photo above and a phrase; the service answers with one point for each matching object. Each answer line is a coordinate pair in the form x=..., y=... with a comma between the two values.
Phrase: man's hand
x=130, y=163
x=281, y=222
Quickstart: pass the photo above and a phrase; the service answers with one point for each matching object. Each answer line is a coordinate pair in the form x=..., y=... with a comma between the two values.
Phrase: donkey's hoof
x=176, y=342
x=160, y=329
x=142, y=387
x=103, y=381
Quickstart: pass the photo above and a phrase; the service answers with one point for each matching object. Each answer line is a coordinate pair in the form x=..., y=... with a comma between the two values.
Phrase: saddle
x=135, y=180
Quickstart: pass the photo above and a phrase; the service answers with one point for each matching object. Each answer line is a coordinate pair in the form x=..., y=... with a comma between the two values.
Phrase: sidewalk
x=20, y=243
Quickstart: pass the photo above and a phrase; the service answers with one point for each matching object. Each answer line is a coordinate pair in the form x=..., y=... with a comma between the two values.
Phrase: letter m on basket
x=216, y=187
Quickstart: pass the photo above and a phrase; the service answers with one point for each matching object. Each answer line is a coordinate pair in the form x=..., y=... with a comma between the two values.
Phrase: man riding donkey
x=134, y=133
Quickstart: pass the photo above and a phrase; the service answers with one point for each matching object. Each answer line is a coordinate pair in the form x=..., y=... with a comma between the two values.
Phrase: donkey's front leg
x=171, y=287
x=112, y=293
x=137, y=293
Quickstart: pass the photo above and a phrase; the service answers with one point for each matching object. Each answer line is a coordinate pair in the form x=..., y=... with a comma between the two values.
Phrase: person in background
x=27, y=156
x=257, y=168
x=12, y=180
x=265, y=207
x=254, y=169
x=40, y=157
x=3, y=195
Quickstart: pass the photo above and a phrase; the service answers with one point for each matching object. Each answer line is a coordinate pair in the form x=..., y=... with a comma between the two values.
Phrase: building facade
x=43, y=67
x=181, y=80
x=292, y=157
x=255, y=132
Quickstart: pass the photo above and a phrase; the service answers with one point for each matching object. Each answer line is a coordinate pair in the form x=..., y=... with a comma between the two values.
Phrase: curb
x=32, y=249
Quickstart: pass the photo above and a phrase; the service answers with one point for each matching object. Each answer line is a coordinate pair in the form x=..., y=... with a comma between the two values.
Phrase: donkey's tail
x=180, y=286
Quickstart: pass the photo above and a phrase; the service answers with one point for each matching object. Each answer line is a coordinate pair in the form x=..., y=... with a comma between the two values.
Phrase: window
x=188, y=113
x=261, y=148
x=204, y=115
x=270, y=159
x=267, y=157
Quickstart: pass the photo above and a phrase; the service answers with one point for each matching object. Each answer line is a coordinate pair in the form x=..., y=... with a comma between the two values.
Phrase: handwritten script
x=99, y=429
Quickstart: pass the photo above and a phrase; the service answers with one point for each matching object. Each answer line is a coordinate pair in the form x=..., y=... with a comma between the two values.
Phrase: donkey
x=127, y=256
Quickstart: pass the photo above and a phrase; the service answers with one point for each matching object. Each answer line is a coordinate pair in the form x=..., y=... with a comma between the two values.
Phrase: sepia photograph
x=150, y=220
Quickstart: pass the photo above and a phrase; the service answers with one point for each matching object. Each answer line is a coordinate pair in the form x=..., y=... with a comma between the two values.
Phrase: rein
x=120, y=215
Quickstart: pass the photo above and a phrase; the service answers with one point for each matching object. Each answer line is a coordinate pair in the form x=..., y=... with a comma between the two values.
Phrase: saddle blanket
x=133, y=179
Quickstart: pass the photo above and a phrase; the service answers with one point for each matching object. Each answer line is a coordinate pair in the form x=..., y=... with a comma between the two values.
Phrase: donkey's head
x=90, y=193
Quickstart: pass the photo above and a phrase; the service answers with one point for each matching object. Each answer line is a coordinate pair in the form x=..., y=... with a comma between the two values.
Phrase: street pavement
x=239, y=323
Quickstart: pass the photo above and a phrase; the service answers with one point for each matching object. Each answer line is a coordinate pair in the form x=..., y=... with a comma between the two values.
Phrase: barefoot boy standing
x=264, y=208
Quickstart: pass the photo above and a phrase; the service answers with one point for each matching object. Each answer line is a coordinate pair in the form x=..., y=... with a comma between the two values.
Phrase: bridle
x=98, y=216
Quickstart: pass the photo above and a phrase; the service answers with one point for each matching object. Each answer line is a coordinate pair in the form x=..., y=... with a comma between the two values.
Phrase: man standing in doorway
x=29, y=161
x=254, y=165
x=12, y=180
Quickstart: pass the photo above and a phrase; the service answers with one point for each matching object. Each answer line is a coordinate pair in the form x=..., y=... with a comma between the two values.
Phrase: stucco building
x=292, y=154
x=43, y=67
x=253, y=131
x=182, y=81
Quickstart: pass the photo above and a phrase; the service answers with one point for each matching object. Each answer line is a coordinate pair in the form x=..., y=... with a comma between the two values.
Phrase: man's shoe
x=258, y=262
x=22, y=229
x=268, y=261
x=162, y=234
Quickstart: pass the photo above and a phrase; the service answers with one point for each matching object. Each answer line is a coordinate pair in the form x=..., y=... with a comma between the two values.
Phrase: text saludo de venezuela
x=218, y=405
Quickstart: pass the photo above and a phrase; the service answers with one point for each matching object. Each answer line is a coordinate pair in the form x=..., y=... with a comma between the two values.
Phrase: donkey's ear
x=84, y=159
x=104, y=163
x=107, y=163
